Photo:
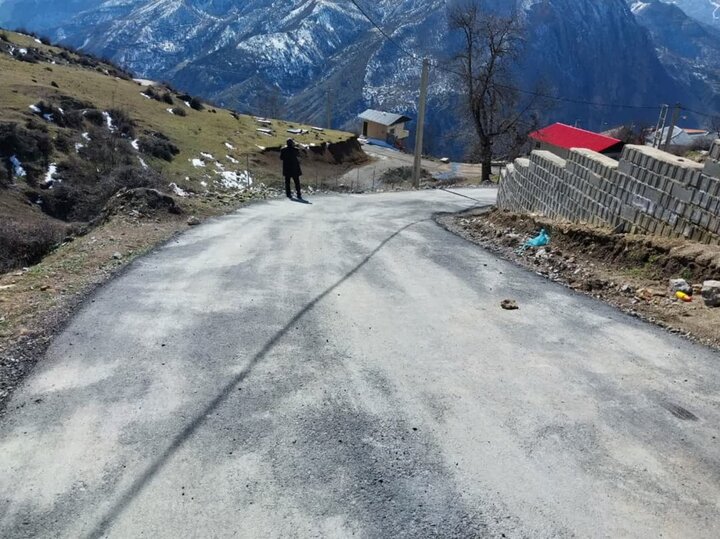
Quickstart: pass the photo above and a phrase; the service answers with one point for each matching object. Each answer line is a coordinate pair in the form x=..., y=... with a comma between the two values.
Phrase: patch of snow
x=61, y=111
x=135, y=145
x=49, y=181
x=35, y=109
x=229, y=146
x=203, y=183
x=197, y=163
x=232, y=160
x=79, y=146
x=235, y=180
x=177, y=190
x=48, y=117
x=108, y=121
x=22, y=51
x=145, y=95
x=143, y=164
x=18, y=169
x=262, y=148
x=187, y=104
x=145, y=82
x=170, y=110
x=207, y=156
x=86, y=136
x=36, y=40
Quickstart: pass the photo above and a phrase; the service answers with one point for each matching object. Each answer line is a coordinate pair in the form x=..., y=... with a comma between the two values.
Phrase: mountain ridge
x=299, y=55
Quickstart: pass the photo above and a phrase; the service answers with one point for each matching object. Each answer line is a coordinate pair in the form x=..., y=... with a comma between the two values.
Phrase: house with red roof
x=560, y=139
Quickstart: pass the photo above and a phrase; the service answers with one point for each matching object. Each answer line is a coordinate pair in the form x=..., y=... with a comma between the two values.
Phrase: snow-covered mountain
x=248, y=54
x=690, y=50
x=705, y=11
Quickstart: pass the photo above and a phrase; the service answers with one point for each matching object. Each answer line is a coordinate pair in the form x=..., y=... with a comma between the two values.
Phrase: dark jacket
x=291, y=162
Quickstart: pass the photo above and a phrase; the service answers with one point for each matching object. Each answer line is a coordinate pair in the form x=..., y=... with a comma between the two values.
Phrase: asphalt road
x=344, y=369
x=383, y=159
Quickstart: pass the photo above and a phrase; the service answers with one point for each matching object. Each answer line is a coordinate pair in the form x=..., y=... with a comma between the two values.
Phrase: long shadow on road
x=157, y=465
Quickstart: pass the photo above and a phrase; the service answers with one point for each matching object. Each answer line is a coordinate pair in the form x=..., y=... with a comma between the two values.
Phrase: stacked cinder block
x=647, y=191
x=667, y=195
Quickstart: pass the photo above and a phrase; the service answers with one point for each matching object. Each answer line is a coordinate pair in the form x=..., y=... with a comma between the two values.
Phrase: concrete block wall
x=647, y=191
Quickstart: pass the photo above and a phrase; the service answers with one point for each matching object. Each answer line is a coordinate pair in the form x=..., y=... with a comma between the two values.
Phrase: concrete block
x=681, y=193
x=715, y=150
x=712, y=168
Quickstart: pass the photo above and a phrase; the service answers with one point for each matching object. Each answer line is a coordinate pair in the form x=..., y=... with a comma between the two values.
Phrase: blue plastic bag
x=541, y=240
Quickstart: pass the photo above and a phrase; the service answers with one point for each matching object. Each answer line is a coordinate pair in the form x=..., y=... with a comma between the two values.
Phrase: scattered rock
x=193, y=221
x=117, y=255
x=627, y=289
x=711, y=293
x=680, y=285
x=509, y=305
x=644, y=294
x=45, y=287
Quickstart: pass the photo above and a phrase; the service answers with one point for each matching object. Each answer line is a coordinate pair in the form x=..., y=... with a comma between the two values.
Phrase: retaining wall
x=647, y=191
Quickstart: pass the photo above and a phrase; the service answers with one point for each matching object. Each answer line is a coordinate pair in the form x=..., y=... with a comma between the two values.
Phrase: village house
x=386, y=127
x=560, y=139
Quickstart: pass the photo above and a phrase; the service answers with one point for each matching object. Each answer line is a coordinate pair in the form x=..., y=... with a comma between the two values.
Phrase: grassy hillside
x=74, y=130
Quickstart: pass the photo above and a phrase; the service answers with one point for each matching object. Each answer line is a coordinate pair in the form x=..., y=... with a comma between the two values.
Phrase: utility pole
x=420, y=123
x=662, y=119
x=673, y=123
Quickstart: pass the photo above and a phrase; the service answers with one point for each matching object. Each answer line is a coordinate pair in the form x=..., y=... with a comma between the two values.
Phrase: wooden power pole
x=420, y=123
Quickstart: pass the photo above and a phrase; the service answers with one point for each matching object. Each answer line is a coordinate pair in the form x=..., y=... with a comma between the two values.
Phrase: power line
x=385, y=34
x=506, y=87
x=713, y=116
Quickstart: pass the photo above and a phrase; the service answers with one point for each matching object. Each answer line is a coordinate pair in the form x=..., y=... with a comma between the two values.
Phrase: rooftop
x=383, y=118
x=568, y=137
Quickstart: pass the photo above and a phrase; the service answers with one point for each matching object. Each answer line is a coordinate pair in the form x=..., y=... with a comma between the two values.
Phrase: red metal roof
x=565, y=136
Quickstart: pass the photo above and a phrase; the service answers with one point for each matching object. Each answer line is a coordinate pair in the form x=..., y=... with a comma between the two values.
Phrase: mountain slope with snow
x=261, y=55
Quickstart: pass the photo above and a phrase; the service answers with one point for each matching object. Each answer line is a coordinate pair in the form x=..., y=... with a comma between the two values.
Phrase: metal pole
x=673, y=123
x=420, y=123
x=657, y=136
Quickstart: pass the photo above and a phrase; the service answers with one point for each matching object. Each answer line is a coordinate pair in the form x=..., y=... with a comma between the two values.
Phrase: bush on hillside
x=123, y=123
x=196, y=104
x=30, y=145
x=95, y=117
x=5, y=178
x=25, y=243
x=168, y=98
x=158, y=146
x=179, y=111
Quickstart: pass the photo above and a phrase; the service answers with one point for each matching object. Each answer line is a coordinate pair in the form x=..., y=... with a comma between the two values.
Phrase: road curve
x=344, y=369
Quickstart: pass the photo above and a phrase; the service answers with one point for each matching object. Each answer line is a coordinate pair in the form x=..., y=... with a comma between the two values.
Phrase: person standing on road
x=290, y=157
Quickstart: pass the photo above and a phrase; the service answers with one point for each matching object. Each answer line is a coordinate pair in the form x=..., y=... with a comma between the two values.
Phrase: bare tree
x=490, y=47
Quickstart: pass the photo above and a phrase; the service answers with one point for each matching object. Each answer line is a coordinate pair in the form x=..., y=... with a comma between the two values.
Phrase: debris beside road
x=638, y=274
x=509, y=305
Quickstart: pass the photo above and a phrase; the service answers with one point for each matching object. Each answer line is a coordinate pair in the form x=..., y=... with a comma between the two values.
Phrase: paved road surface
x=344, y=368
x=384, y=159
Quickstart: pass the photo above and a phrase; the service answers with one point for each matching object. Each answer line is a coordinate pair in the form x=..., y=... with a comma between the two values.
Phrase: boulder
x=680, y=285
x=711, y=293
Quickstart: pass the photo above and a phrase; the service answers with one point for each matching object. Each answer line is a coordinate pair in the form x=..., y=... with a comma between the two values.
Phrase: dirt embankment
x=631, y=272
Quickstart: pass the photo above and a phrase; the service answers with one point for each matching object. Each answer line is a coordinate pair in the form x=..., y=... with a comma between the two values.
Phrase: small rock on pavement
x=193, y=221
x=117, y=255
x=680, y=285
x=711, y=293
x=509, y=305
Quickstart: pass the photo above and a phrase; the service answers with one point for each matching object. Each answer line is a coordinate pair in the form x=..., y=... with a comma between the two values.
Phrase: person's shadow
x=301, y=200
